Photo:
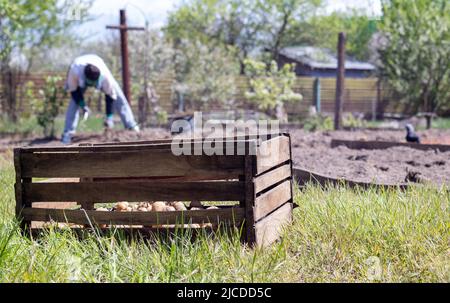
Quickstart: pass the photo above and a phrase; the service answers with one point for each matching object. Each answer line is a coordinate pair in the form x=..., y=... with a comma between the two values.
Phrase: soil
x=312, y=151
x=394, y=165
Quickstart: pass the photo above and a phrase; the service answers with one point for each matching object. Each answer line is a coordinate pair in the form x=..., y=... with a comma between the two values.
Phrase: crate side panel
x=270, y=228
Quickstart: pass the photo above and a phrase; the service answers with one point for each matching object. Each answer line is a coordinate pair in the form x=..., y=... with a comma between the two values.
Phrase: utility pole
x=124, y=51
x=340, y=82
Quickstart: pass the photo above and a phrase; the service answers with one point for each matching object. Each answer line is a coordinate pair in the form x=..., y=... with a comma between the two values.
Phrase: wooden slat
x=386, y=144
x=135, y=191
x=270, y=228
x=20, y=200
x=163, y=144
x=304, y=176
x=249, y=202
x=134, y=218
x=272, y=177
x=272, y=153
x=128, y=164
x=272, y=199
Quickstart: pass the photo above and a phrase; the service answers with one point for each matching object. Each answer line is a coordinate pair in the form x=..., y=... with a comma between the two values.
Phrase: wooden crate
x=257, y=175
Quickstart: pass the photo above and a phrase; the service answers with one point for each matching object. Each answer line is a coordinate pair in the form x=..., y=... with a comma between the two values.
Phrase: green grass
x=441, y=123
x=29, y=126
x=338, y=235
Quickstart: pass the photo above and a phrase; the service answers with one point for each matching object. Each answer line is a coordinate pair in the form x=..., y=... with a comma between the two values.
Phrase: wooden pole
x=123, y=28
x=340, y=83
x=124, y=52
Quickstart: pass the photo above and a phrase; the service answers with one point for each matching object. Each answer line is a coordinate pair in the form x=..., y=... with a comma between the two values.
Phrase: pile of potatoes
x=154, y=206
x=159, y=206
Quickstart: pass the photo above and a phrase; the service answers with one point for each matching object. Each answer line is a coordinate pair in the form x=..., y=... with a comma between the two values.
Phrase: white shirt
x=76, y=77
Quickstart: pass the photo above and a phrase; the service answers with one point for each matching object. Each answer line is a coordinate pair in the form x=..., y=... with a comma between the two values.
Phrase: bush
x=270, y=87
x=48, y=104
x=318, y=122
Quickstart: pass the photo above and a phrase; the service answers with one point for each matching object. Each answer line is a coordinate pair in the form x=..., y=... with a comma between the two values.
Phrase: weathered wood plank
x=304, y=176
x=166, y=145
x=132, y=164
x=272, y=153
x=249, y=202
x=20, y=202
x=234, y=215
x=272, y=199
x=272, y=177
x=135, y=191
x=270, y=228
x=386, y=144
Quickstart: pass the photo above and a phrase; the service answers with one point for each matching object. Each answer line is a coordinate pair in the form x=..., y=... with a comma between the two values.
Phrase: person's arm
x=78, y=97
x=109, y=106
x=73, y=86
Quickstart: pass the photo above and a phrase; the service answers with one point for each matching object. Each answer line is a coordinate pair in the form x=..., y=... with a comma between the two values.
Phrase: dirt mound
x=393, y=165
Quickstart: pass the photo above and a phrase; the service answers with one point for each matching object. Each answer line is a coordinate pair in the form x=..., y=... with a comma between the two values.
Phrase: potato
x=159, y=206
x=213, y=207
x=143, y=204
x=179, y=206
x=170, y=208
x=121, y=206
x=142, y=209
x=195, y=208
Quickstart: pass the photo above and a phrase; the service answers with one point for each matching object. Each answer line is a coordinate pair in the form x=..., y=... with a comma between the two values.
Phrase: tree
x=205, y=74
x=247, y=26
x=414, y=59
x=271, y=88
x=322, y=31
x=151, y=60
x=26, y=28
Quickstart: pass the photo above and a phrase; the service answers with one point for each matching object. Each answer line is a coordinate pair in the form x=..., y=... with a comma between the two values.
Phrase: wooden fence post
x=340, y=83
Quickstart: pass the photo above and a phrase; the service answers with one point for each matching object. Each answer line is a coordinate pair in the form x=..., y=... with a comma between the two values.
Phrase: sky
x=106, y=12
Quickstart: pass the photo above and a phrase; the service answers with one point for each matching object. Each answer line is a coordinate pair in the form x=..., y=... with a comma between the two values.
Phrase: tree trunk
x=280, y=113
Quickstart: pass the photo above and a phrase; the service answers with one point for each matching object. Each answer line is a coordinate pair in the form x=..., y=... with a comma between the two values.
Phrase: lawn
x=339, y=234
x=29, y=126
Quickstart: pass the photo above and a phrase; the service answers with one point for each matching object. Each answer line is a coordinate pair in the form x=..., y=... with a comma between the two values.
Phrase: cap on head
x=91, y=72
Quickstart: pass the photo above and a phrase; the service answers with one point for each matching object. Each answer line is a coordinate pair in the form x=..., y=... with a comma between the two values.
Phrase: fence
x=361, y=95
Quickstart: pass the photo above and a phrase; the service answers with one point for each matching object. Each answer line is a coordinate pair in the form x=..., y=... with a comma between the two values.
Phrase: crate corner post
x=25, y=225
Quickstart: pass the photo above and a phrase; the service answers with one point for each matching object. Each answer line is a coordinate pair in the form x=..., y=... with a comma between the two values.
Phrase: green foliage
x=162, y=117
x=270, y=87
x=271, y=25
x=415, y=59
x=322, y=31
x=353, y=121
x=27, y=25
x=47, y=106
x=244, y=25
x=318, y=122
x=205, y=74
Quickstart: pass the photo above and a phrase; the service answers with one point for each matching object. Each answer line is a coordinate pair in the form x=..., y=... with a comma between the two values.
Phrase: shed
x=320, y=62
